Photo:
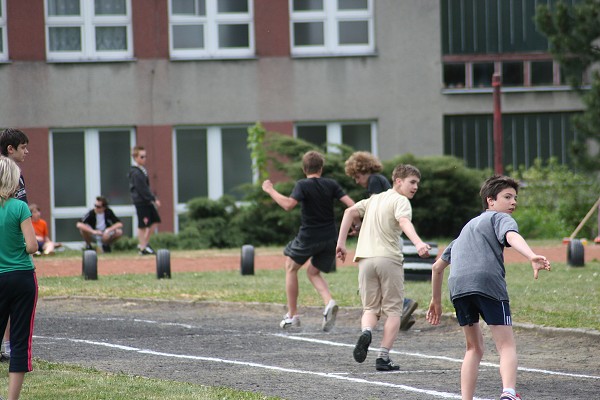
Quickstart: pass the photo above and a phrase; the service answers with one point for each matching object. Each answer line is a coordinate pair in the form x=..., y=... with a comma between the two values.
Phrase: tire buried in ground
x=90, y=265
x=575, y=253
x=247, y=260
x=163, y=264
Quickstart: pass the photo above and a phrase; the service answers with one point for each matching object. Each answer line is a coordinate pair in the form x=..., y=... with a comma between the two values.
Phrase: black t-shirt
x=316, y=196
x=377, y=183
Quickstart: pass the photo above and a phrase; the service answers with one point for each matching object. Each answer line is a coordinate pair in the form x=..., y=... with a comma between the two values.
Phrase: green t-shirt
x=13, y=251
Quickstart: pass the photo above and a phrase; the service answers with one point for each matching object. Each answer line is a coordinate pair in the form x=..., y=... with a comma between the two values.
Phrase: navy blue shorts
x=469, y=308
x=322, y=253
x=147, y=215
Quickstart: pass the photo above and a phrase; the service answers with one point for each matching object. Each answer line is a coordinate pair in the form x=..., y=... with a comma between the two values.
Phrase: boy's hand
x=340, y=252
x=267, y=186
x=539, y=263
x=434, y=313
x=423, y=249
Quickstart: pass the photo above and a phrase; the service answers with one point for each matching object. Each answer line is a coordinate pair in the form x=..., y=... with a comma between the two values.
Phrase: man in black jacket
x=100, y=223
x=145, y=202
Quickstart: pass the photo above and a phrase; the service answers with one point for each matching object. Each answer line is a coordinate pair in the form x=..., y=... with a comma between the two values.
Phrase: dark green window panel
x=526, y=137
x=491, y=26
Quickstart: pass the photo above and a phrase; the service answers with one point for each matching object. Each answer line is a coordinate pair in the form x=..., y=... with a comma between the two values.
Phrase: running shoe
x=409, y=308
x=329, y=315
x=386, y=365
x=362, y=346
x=289, y=322
x=509, y=396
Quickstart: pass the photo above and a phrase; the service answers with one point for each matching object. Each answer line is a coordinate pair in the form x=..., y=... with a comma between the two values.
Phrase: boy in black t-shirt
x=316, y=238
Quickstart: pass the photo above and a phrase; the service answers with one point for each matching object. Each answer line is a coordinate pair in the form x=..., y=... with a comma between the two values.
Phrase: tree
x=573, y=32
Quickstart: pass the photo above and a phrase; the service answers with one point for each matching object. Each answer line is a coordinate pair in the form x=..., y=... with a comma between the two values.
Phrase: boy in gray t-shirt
x=477, y=285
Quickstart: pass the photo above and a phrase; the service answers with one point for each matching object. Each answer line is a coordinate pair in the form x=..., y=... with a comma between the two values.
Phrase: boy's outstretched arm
x=409, y=230
x=287, y=203
x=351, y=215
x=538, y=262
x=437, y=277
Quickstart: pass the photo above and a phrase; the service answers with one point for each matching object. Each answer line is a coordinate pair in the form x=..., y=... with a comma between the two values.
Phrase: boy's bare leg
x=507, y=349
x=319, y=283
x=291, y=285
x=470, y=366
x=15, y=383
x=390, y=331
x=143, y=237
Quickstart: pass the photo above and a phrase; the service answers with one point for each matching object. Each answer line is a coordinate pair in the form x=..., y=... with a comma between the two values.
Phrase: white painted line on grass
x=444, y=358
x=434, y=393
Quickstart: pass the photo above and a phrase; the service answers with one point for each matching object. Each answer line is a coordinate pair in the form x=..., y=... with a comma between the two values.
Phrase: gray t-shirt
x=477, y=257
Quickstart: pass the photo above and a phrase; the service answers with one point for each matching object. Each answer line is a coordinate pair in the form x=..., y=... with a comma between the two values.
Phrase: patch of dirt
x=111, y=264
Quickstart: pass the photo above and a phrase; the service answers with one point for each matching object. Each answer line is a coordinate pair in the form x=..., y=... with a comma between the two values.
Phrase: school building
x=87, y=80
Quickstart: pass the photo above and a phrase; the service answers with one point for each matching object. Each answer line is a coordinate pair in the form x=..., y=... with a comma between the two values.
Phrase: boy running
x=315, y=239
x=477, y=285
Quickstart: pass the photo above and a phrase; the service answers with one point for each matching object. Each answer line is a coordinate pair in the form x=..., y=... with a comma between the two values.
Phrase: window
x=358, y=135
x=98, y=163
x=3, y=39
x=211, y=29
x=483, y=36
x=211, y=162
x=84, y=30
x=525, y=138
x=542, y=73
x=332, y=27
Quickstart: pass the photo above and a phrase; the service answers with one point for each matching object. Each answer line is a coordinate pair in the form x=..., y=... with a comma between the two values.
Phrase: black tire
x=90, y=265
x=417, y=275
x=575, y=253
x=247, y=260
x=163, y=264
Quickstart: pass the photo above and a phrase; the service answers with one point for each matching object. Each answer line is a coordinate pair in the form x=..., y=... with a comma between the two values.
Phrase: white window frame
x=92, y=179
x=3, y=25
x=334, y=133
x=88, y=22
x=211, y=22
x=330, y=16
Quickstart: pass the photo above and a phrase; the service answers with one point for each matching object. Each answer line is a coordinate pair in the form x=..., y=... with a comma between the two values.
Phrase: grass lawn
x=565, y=297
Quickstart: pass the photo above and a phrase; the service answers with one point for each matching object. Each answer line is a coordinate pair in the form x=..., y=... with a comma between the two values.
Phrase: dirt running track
x=112, y=264
x=241, y=346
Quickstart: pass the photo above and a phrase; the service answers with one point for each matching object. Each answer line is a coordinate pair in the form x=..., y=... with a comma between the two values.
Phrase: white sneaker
x=329, y=315
x=289, y=322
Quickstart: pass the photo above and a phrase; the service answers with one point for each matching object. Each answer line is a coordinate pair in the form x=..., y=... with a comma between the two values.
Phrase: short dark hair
x=11, y=137
x=102, y=200
x=494, y=185
x=312, y=162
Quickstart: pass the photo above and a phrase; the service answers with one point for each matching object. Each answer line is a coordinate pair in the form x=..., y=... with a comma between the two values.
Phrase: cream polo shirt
x=380, y=230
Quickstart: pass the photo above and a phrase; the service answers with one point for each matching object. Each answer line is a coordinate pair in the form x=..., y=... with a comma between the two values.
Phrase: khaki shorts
x=381, y=286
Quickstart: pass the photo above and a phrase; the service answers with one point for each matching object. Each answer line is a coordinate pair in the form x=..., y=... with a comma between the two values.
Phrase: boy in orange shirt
x=45, y=245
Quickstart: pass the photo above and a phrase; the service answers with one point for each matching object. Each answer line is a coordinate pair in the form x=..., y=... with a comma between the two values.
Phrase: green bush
x=448, y=194
x=556, y=197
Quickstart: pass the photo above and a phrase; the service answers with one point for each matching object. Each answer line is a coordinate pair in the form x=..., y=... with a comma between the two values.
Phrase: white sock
x=509, y=390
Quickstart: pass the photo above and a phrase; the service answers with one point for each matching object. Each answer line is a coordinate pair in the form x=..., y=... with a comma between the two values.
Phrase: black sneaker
x=407, y=311
x=106, y=248
x=386, y=365
x=362, y=346
x=147, y=251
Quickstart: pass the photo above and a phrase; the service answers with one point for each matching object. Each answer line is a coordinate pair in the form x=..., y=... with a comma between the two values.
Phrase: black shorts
x=493, y=312
x=322, y=253
x=147, y=215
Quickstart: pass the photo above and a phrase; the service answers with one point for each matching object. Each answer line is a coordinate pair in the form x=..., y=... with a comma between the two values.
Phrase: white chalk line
x=443, y=358
x=407, y=388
